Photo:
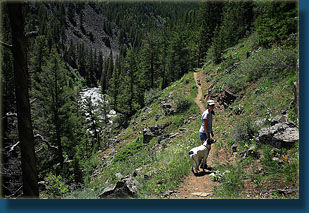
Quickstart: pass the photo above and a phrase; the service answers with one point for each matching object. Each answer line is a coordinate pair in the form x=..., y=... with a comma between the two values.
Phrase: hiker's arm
x=205, y=127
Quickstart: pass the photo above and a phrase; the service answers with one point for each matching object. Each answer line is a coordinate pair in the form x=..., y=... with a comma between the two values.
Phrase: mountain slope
x=156, y=143
x=91, y=31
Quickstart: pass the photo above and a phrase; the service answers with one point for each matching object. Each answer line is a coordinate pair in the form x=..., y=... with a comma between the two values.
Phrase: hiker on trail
x=206, y=127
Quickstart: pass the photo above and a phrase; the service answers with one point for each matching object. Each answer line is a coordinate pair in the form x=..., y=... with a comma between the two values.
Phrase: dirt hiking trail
x=201, y=184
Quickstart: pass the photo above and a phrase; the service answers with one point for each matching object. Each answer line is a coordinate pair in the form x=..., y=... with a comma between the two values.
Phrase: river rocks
x=282, y=134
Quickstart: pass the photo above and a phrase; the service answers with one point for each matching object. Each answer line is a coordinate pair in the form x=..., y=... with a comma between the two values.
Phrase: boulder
x=174, y=135
x=252, y=151
x=234, y=147
x=168, y=109
x=148, y=110
x=226, y=98
x=280, y=135
x=126, y=187
x=153, y=131
x=168, y=193
x=158, y=116
x=198, y=82
x=279, y=119
x=147, y=135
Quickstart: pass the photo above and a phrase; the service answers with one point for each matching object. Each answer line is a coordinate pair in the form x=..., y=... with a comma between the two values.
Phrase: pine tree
x=100, y=65
x=130, y=93
x=178, y=55
x=110, y=68
x=38, y=55
x=275, y=22
x=82, y=60
x=215, y=52
x=210, y=18
x=51, y=95
x=149, y=58
x=113, y=83
x=236, y=21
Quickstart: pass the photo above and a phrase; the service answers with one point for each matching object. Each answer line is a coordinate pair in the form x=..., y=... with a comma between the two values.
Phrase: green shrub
x=232, y=182
x=182, y=103
x=229, y=62
x=129, y=150
x=245, y=131
x=55, y=187
x=283, y=171
x=274, y=63
x=89, y=166
x=178, y=121
x=151, y=95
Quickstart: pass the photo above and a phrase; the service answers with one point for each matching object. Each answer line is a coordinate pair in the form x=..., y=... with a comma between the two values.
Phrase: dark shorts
x=203, y=136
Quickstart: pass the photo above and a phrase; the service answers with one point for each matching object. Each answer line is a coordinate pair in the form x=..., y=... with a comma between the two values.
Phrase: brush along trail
x=201, y=184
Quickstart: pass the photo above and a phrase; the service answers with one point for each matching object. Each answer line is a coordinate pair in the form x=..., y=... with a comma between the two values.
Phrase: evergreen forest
x=82, y=82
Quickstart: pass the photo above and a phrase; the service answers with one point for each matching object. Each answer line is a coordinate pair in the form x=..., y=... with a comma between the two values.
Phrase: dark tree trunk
x=25, y=131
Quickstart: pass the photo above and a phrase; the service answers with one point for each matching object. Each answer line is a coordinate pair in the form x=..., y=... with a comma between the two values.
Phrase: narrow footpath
x=200, y=185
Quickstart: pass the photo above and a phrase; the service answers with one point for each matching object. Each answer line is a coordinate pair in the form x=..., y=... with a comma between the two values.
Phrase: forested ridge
x=136, y=53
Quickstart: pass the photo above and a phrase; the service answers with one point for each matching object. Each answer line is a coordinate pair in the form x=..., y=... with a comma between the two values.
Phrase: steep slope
x=153, y=149
x=91, y=31
x=155, y=145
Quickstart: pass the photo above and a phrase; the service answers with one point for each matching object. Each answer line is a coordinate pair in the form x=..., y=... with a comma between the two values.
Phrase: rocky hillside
x=86, y=26
x=256, y=126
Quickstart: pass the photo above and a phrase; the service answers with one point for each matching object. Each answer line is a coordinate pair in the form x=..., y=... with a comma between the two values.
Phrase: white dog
x=201, y=153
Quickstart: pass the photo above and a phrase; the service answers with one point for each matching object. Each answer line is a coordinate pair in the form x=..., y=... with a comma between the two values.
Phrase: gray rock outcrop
x=125, y=187
x=282, y=134
x=226, y=98
x=153, y=131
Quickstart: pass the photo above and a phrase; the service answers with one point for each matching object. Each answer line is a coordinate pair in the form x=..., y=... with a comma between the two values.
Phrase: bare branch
x=16, y=192
x=9, y=46
x=13, y=147
x=10, y=114
x=45, y=141
x=33, y=100
x=31, y=34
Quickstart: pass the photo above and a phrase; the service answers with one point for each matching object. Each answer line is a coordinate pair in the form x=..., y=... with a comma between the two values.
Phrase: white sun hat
x=210, y=102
